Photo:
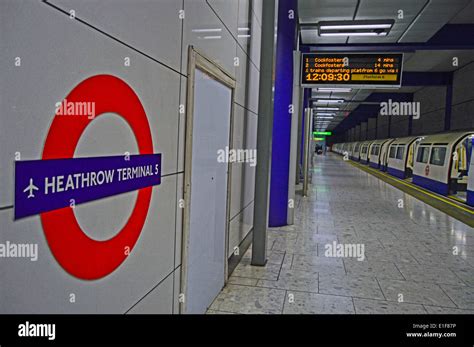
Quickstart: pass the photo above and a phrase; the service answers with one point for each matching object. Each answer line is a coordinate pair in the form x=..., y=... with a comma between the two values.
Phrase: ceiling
x=421, y=20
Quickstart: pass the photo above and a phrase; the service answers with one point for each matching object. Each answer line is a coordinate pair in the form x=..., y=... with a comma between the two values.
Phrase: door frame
x=197, y=60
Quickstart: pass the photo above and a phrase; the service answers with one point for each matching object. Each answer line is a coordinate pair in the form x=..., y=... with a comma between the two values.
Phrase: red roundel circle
x=77, y=253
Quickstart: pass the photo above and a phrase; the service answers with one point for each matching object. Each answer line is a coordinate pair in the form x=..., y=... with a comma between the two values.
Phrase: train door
x=460, y=165
x=383, y=156
x=363, y=153
x=411, y=157
x=367, y=153
x=377, y=150
x=372, y=153
x=356, y=152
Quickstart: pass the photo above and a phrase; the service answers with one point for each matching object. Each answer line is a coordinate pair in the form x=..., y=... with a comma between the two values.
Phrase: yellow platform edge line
x=411, y=185
x=456, y=198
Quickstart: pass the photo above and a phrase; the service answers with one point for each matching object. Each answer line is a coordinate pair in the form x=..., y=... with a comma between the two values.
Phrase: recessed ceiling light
x=355, y=27
x=355, y=34
x=215, y=30
x=216, y=37
x=327, y=108
x=330, y=101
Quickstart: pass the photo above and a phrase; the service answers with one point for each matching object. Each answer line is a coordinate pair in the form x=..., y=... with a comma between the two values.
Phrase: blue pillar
x=282, y=117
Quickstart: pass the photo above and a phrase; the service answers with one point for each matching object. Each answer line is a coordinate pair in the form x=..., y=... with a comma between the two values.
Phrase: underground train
x=442, y=163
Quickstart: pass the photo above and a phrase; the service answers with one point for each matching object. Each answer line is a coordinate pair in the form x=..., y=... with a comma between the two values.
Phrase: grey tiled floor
x=409, y=265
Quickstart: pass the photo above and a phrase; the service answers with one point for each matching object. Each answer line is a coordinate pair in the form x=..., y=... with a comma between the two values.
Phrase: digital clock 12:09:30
x=328, y=77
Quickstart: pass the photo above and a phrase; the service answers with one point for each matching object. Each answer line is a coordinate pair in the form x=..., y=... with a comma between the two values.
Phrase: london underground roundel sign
x=77, y=253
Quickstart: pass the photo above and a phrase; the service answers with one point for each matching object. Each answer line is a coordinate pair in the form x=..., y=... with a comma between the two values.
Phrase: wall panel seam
x=245, y=108
x=242, y=210
x=153, y=288
x=231, y=34
x=113, y=37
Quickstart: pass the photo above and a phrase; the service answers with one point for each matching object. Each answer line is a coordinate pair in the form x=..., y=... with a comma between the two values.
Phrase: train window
x=364, y=149
x=437, y=156
x=373, y=150
x=400, y=151
x=377, y=150
x=423, y=154
x=356, y=149
x=393, y=151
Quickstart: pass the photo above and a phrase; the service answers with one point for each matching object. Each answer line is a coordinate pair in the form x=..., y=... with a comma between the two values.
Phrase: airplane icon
x=30, y=188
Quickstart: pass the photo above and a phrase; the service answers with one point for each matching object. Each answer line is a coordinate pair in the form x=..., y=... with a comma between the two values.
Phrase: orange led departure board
x=374, y=70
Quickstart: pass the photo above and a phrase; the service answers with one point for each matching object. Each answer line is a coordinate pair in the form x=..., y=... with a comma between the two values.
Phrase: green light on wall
x=325, y=133
x=319, y=139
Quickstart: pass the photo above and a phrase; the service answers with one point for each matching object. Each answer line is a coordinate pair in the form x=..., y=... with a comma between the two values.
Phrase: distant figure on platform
x=318, y=149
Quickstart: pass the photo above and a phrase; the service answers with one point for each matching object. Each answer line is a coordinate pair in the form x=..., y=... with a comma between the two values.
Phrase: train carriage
x=384, y=154
x=347, y=149
x=442, y=163
x=355, y=152
x=350, y=150
x=400, y=156
x=378, y=153
x=364, y=152
x=470, y=183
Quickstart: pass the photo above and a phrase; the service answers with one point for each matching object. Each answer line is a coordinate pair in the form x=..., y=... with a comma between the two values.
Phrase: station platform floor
x=416, y=259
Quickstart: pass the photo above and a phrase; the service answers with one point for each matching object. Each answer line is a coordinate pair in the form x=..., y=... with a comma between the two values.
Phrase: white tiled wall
x=57, y=53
